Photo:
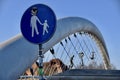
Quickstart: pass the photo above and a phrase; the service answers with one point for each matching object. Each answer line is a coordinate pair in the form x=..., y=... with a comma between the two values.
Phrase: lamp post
x=81, y=55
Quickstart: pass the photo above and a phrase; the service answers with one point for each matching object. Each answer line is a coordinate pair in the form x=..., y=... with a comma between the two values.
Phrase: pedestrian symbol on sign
x=45, y=26
x=38, y=23
x=33, y=22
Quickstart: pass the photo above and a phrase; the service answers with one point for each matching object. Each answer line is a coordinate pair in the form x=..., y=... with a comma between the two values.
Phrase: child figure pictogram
x=45, y=26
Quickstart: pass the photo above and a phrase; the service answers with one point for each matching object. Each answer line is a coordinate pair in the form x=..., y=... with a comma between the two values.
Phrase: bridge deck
x=77, y=74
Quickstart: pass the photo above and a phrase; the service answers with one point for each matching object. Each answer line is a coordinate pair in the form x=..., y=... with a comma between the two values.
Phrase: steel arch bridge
x=16, y=54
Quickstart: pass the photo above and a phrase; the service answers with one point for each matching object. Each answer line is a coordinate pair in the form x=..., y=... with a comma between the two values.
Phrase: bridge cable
x=92, y=46
x=80, y=45
x=69, y=49
x=66, y=51
x=98, y=57
x=96, y=48
x=63, y=48
x=87, y=46
x=85, y=43
x=73, y=46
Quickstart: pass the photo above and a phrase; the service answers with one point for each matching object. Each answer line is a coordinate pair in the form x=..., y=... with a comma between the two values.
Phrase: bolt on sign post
x=38, y=25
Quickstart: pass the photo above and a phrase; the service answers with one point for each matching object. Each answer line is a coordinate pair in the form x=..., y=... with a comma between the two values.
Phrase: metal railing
x=80, y=74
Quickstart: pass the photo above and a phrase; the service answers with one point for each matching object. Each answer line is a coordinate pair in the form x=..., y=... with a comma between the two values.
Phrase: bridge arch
x=18, y=46
x=70, y=25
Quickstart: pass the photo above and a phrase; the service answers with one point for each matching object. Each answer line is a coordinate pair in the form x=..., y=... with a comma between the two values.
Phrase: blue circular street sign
x=38, y=23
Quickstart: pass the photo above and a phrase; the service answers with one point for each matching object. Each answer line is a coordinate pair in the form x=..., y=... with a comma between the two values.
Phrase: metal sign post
x=38, y=25
x=41, y=56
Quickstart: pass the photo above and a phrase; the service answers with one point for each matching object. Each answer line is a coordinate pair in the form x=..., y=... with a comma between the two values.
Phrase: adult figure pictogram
x=33, y=21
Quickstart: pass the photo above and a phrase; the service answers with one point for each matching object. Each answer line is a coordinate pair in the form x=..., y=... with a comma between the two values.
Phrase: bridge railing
x=81, y=74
